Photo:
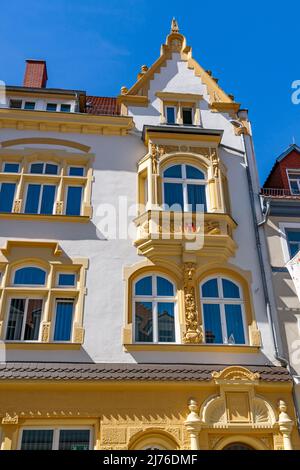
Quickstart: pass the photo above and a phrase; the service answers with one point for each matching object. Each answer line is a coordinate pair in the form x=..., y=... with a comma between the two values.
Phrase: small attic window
x=187, y=116
x=171, y=114
x=294, y=180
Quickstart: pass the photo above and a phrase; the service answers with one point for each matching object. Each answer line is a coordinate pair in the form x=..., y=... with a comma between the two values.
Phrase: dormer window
x=65, y=108
x=294, y=180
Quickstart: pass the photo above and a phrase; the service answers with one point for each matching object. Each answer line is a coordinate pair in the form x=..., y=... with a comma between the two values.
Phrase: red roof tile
x=102, y=105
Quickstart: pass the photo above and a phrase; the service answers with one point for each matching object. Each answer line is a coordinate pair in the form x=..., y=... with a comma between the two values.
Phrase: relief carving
x=192, y=333
x=215, y=164
x=59, y=208
x=10, y=419
x=46, y=332
x=17, y=206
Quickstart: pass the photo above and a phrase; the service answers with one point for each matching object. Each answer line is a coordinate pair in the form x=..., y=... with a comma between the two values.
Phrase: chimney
x=35, y=74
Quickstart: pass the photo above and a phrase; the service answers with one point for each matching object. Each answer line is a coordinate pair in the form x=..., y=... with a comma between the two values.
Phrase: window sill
x=45, y=218
x=28, y=345
x=241, y=349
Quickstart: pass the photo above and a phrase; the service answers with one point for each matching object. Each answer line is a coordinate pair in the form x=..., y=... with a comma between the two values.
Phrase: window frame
x=184, y=181
x=38, y=286
x=56, y=433
x=64, y=299
x=69, y=285
x=71, y=185
x=155, y=300
x=283, y=227
x=222, y=301
x=44, y=163
x=38, y=183
x=192, y=115
x=27, y=297
x=76, y=166
x=14, y=195
x=174, y=107
x=291, y=170
x=10, y=172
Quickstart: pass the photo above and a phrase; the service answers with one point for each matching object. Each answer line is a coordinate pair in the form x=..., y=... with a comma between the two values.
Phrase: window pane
x=66, y=279
x=15, y=319
x=187, y=116
x=194, y=173
x=295, y=187
x=212, y=322
x=210, y=289
x=32, y=199
x=33, y=319
x=51, y=106
x=11, y=168
x=196, y=196
x=15, y=104
x=230, y=290
x=74, y=200
x=65, y=108
x=166, y=324
x=37, y=439
x=63, y=321
x=164, y=287
x=47, y=202
x=293, y=235
x=143, y=322
x=30, y=276
x=170, y=115
x=173, y=195
x=144, y=286
x=294, y=248
x=234, y=323
x=37, y=168
x=74, y=439
x=51, y=169
x=76, y=171
x=7, y=193
x=173, y=172
x=29, y=105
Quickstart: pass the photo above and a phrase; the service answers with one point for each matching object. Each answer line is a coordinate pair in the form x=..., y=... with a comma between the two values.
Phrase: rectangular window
x=293, y=239
x=74, y=195
x=40, y=199
x=63, y=320
x=11, y=167
x=65, y=108
x=294, y=179
x=55, y=439
x=173, y=195
x=234, y=324
x=171, y=115
x=187, y=116
x=24, y=320
x=76, y=171
x=66, y=280
x=7, y=194
x=166, y=323
x=51, y=107
x=29, y=105
x=16, y=104
x=196, y=196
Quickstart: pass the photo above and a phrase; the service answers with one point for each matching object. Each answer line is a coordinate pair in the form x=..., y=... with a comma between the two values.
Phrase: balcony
x=173, y=233
x=279, y=193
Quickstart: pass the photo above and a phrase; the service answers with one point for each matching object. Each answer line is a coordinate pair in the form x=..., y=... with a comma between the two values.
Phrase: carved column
x=285, y=425
x=192, y=332
x=9, y=432
x=193, y=425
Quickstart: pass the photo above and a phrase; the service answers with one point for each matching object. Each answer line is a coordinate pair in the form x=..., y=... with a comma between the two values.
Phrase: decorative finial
x=124, y=90
x=144, y=68
x=174, y=26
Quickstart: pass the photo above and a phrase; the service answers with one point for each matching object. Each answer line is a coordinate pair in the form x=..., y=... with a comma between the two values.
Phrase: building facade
x=281, y=203
x=132, y=299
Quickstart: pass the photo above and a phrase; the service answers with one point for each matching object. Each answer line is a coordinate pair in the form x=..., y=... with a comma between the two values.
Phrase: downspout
x=284, y=362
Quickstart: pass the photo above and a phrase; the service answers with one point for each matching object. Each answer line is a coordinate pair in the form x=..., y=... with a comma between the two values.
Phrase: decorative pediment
x=235, y=373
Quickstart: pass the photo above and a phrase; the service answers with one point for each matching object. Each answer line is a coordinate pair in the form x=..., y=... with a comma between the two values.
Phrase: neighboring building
x=156, y=342
x=281, y=201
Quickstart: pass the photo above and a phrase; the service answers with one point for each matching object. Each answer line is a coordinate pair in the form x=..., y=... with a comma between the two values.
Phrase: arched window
x=223, y=311
x=44, y=168
x=29, y=275
x=154, y=310
x=185, y=186
x=238, y=446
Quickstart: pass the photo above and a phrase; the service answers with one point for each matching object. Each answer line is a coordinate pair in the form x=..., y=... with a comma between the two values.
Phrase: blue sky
x=99, y=46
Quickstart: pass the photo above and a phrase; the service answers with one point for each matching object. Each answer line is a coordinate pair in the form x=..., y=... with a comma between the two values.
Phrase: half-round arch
x=46, y=141
x=152, y=438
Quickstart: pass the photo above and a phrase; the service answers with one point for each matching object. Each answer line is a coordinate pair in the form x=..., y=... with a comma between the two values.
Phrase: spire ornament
x=174, y=26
